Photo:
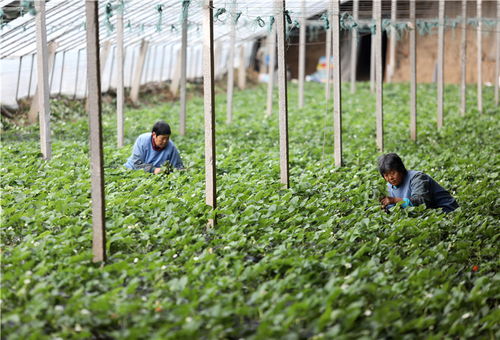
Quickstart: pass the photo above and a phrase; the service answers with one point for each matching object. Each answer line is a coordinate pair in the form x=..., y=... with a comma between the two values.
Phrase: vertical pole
x=372, y=54
x=96, y=157
x=52, y=46
x=31, y=74
x=120, y=87
x=242, y=76
x=77, y=72
x=132, y=67
x=354, y=46
x=413, y=71
x=272, y=63
x=328, y=54
x=463, y=60
x=51, y=70
x=302, y=53
x=209, y=104
x=497, y=68
x=111, y=68
x=282, y=86
x=337, y=85
x=43, y=81
x=147, y=61
x=134, y=93
x=379, y=76
x=182, y=113
x=479, y=57
x=230, y=74
x=162, y=62
x=440, y=73
x=392, y=53
x=62, y=72
x=176, y=78
x=18, y=76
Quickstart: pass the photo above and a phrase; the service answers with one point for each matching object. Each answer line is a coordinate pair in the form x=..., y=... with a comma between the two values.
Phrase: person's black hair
x=389, y=162
x=161, y=128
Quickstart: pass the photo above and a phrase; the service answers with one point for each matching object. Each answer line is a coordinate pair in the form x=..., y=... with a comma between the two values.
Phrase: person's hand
x=385, y=201
x=157, y=171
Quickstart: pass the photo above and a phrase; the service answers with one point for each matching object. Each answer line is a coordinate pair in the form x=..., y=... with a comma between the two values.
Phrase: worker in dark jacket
x=411, y=187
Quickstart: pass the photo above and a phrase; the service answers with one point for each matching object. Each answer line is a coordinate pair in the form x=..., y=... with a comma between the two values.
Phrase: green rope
x=271, y=23
x=260, y=22
x=237, y=17
x=109, y=14
x=159, y=9
x=326, y=22
x=185, y=9
x=288, y=18
x=219, y=12
x=28, y=6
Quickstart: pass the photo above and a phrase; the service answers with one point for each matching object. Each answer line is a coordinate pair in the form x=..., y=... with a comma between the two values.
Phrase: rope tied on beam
x=219, y=12
x=271, y=23
x=109, y=14
x=159, y=9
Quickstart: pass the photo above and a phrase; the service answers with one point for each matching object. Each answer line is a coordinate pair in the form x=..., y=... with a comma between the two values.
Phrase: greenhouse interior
x=286, y=169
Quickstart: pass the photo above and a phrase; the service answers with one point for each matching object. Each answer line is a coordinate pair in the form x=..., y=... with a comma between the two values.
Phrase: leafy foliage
x=320, y=260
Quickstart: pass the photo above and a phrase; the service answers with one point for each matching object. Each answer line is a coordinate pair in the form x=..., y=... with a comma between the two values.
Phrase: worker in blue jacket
x=152, y=150
x=411, y=187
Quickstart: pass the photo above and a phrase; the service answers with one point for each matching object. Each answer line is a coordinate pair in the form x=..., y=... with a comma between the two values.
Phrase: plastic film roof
x=158, y=22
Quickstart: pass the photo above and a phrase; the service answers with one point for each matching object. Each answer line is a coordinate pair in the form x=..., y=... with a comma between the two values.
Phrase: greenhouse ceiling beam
x=28, y=43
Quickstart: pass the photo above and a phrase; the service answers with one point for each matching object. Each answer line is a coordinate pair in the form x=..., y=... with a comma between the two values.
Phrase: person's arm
x=420, y=190
x=176, y=160
x=138, y=159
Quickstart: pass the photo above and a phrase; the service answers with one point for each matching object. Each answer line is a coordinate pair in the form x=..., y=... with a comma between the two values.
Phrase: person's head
x=161, y=134
x=391, y=168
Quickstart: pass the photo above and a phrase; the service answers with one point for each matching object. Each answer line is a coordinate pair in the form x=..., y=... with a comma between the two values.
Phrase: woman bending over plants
x=154, y=149
x=411, y=187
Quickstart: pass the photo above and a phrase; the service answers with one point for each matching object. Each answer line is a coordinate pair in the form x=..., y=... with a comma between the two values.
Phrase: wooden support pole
x=379, y=77
x=49, y=59
x=230, y=75
x=176, y=79
x=42, y=95
x=354, y=46
x=480, y=56
x=120, y=86
x=18, y=77
x=242, y=75
x=147, y=62
x=272, y=63
x=372, y=54
x=283, y=100
x=139, y=67
x=183, y=97
x=302, y=53
x=209, y=105
x=463, y=61
x=52, y=73
x=392, y=46
x=77, y=72
x=413, y=71
x=328, y=54
x=96, y=154
x=337, y=85
x=31, y=74
x=440, y=71
x=497, y=68
x=62, y=72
